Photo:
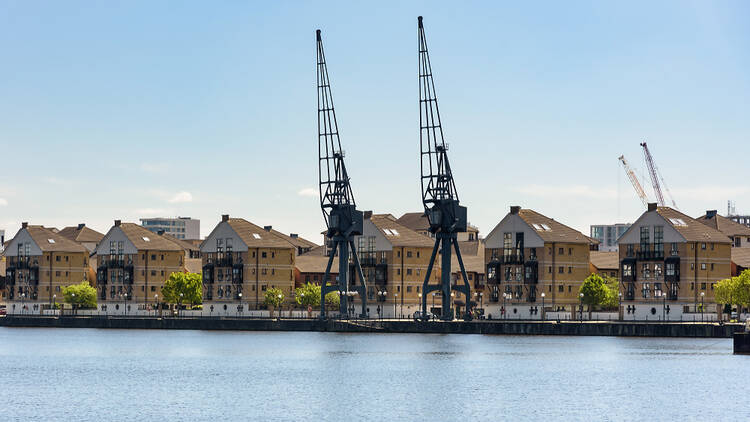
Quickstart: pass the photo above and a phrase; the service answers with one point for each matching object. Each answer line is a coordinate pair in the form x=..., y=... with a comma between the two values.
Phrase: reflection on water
x=69, y=374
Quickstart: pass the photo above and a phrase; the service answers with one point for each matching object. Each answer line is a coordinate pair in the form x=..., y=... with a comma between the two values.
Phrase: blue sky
x=129, y=109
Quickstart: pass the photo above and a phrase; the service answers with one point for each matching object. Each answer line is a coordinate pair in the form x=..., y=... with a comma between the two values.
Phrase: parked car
x=422, y=316
x=3, y=311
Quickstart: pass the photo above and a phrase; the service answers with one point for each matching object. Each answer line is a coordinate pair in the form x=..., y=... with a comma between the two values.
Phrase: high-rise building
x=185, y=228
x=607, y=235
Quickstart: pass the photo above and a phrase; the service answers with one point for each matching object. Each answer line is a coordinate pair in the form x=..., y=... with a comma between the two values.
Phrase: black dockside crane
x=343, y=220
x=439, y=195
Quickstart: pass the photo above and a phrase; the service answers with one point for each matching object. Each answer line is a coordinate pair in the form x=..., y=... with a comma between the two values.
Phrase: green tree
x=183, y=288
x=80, y=295
x=594, y=291
x=333, y=300
x=308, y=295
x=612, y=300
x=274, y=297
x=725, y=290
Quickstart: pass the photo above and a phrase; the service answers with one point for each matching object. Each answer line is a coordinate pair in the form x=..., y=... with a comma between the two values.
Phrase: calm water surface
x=123, y=375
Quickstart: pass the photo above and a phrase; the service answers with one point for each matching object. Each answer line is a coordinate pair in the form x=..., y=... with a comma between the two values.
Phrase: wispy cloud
x=154, y=167
x=181, y=197
x=308, y=192
x=577, y=191
x=3, y=202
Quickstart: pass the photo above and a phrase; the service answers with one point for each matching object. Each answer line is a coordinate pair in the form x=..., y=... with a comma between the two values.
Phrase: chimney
x=224, y=217
x=293, y=235
x=24, y=225
x=367, y=215
x=117, y=223
x=710, y=213
x=651, y=206
x=267, y=228
x=514, y=209
x=81, y=225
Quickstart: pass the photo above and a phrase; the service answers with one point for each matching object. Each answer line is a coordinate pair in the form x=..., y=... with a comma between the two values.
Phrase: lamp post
x=433, y=301
x=239, y=295
x=581, y=306
x=381, y=307
x=663, y=306
x=395, y=299
x=419, y=306
x=54, y=300
x=156, y=303
x=124, y=303
x=543, y=316
x=619, y=305
x=73, y=295
x=703, y=295
x=505, y=311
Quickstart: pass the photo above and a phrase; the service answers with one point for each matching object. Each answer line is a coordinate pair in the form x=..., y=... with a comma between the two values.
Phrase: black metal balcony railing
x=367, y=261
x=650, y=255
x=531, y=272
x=478, y=285
x=225, y=261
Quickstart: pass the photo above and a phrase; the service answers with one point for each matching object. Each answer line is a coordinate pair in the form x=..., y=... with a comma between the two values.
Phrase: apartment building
x=241, y=261
x=534, y=265
x=739, y=234
x=670, y=264
x=605, y=264
x=39, y=263
x=394, y=260
x=132, y=265
x=607, y=235
x=184, y=228
x=82, y=235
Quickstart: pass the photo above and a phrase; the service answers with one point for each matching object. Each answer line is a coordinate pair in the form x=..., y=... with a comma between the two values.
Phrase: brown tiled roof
x=725, y=225
x=185, y=245
x=82, y=234
x=693, y=230
x=558, y=232
x=406, y=236
x=297, y=242
x=138, y=234
x=603, y=260
x=307, y=263
x=247, y=231
x=741, y=257
x=49, y=241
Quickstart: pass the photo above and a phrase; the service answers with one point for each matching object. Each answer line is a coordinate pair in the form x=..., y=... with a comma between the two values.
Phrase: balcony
x=367, y=261
x=650, y=255
x=225, y=261
x=381, y=274
x=22, y=264
x=478, y=285
x=513, y=259
x=531, y=272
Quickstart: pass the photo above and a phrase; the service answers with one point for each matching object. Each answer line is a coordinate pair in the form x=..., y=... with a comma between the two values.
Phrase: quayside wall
x=565, y=328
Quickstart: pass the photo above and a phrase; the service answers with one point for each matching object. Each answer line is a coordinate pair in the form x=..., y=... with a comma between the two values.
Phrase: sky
x=123, y=110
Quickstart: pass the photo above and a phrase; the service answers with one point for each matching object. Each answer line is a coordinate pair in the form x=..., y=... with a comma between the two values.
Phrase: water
x=122, y=375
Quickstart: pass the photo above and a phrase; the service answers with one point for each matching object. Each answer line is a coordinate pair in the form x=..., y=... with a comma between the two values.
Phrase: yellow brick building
x=669, y=266
x=132, y=265
x=39, y=263
x=534, y=262
x=241, y=261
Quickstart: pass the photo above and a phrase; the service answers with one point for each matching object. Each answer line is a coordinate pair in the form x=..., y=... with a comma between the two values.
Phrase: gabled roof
x=308, y=263
x=255, y=236
x=603, y=260
x=49, y=241
x=473, y=258
x=138, y=235
x=400, y=235
x=550, y=230
x=724, y=225
x=81, y=234
x=741, y=257
x=187, y=246
x=296, y=241
x=692, y=230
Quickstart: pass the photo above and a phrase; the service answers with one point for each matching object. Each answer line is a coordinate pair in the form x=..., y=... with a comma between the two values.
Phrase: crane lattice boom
x=657, y=181
x=634, y=181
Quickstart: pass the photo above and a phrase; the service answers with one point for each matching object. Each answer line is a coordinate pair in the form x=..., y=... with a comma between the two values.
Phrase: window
x=398, y=254
x=712, y=246
x=561, y=288
x=570, y=270
x=673, y=250
x=273, y=254
x=408, y=289
x=703, y=265
x=162, y=257
x=703, y=246
x=549, y=270
x=657, y=270
x=646, y=271
x=712, y=267
x=659, y=239
x=630, y=250
x=560, y=270
x=398, y=271
x=57, y=258
x=153, y=272
x=417, y=254
x=408, y=254
x=645, y=239
x=737, y=242
x=408, y=271
x=153, y=257
x=570, y=251
x=703, y=286
x=646, y=290
x=561, y=251
x=263, y=254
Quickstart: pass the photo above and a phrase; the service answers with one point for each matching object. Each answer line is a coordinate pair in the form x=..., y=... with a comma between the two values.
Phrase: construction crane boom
x=657, y=181
x=634, y=181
